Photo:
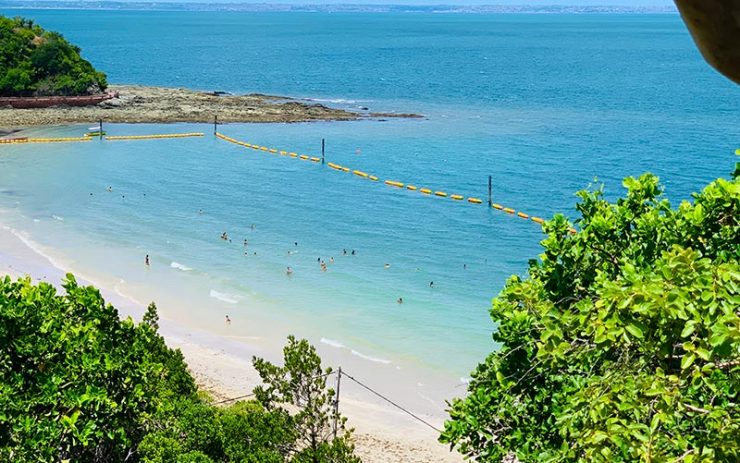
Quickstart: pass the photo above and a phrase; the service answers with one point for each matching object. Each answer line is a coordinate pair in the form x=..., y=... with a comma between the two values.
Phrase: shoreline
x=147, y=104
x=218, y=363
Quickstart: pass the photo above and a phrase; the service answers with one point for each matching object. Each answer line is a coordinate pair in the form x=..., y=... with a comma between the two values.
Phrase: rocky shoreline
x=141, y=104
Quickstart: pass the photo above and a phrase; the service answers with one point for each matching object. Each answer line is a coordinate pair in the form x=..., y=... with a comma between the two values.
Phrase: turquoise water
x=544, y=104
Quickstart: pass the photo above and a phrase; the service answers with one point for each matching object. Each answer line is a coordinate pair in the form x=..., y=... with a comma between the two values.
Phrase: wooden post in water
x=336, y=401
x=101, y=128
x=215, y=125
x=323, y=148
x=490, y=188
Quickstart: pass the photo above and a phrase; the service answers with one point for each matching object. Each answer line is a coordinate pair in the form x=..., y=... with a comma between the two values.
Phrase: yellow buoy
x=283, y=152
x=273, y=150
x=497, y=206
x=522, y=215
x=303, y=156
x=509, y=210
x=537, y=219
x=315, y=159
x=426, y=191
x=373, y=178
x=359, y=173
x=474, y=200
x=345, y=169
x=440, y=193
x=456, y=197
x=411, y=187
x=293, y=155
x=394, y=183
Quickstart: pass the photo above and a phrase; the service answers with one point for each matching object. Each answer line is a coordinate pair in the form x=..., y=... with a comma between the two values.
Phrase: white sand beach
x=222, y=366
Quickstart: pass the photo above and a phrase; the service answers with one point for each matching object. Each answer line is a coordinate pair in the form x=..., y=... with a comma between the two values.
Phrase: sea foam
x=231, y=299
x=332, y=343
x=184, y=268
x=368, y=357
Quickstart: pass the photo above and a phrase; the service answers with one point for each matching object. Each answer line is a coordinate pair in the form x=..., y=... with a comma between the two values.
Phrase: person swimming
x=387, y=266
x=289, y=271
x=246, y=243
x=344, y=252
x=400, y=300
x=431, y=284
x=331, y=260
x=353, y=252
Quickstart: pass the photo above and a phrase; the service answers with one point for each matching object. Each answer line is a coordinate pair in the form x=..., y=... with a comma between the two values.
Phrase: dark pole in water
x=215, y=124
x=323, y=148
x=490, y=203
x=101, y=129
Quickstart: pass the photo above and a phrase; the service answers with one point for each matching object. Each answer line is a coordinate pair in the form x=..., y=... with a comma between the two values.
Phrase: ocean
x=544, y=104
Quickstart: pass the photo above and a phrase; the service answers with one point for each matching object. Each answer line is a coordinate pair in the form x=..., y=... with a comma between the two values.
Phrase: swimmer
x=331, y=260
x=431, y=284
x=146, y=260
x=252, y=226
x=465, y=266
x=400, y=300
x=344, y=251
x=200, y=211
x=110, y=188
x=91, y=194
x=318, y=259
x=387, y=265
x=353, y=252
x=289, y=271
x=245, y=243
x=228, y=320
x=296, y=243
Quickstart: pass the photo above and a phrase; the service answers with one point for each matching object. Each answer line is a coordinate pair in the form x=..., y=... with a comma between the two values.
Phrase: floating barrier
x=159, y=136
x=393, y=183
x=43, y=140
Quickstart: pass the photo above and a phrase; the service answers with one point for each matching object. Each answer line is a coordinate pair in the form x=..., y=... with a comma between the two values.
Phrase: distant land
x=331, y=8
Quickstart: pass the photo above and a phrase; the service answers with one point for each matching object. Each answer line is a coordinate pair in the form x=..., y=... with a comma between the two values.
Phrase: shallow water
x=542, y=103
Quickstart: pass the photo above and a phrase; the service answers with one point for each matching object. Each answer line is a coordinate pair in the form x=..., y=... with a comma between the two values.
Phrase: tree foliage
x=38, y=62
x=623, y=344
x=79, y=384
x=300, y=384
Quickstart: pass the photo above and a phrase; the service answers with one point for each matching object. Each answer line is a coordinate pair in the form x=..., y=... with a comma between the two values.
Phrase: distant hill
x=35, y=62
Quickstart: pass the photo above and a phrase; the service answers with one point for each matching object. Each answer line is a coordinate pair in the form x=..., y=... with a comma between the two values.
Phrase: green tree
x=38, y=62
x=300, y=384
x=623, y=344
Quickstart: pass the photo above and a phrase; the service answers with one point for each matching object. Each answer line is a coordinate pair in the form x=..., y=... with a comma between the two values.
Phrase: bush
x=623, y=344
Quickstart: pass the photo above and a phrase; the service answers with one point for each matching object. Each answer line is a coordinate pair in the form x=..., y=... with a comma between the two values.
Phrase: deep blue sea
x=545, y=104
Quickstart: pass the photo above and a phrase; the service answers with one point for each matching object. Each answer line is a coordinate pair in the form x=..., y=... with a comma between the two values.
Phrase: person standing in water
x=289, y=271
x=228, y=320
x=146, y=260
x=431, y=284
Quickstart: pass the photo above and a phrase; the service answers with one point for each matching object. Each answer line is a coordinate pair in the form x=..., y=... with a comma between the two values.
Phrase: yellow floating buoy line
x=43, y=140
x=153, y=137
x=392, y=183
